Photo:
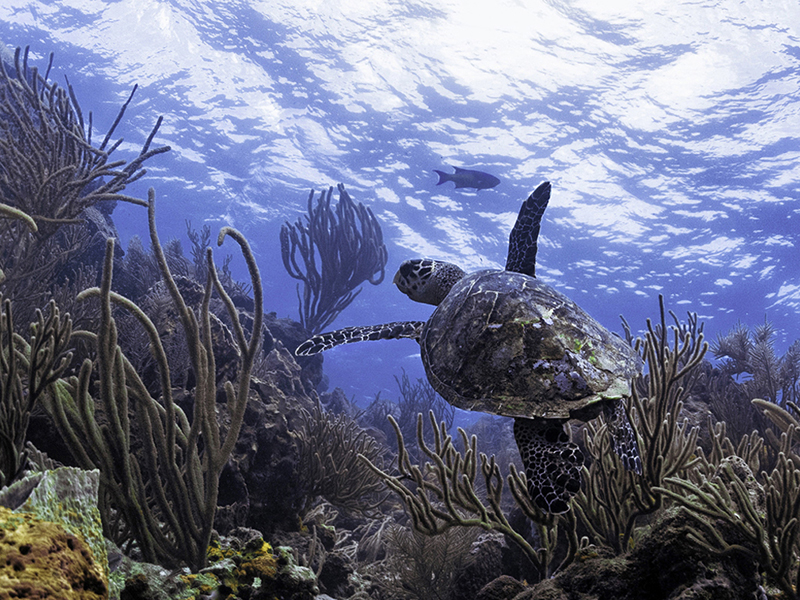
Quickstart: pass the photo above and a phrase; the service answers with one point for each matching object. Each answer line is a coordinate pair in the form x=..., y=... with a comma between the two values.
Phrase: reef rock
x=292, y=334
x=41, y=560
x=66, y=496
x=664, y=565
x=262, y=473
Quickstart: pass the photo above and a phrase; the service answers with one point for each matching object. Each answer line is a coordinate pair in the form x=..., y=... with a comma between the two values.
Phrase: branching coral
x=339, y=250
x=420, y=398
x=167, y=494
x=27, y=368
x=50, y=175
x=329, y=466
x=440, y=495
x=613, y=498
x=49, y=168
x=773, y=378
x=730, y=506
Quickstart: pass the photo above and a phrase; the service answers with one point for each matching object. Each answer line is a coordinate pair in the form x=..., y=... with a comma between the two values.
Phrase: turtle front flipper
x=524, y=238
x=623, y=437
x=348, y=335
x=552, y=462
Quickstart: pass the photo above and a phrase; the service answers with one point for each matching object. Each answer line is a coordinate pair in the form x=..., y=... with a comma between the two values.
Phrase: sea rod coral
x=440, y=494
x=166, y=494
x=52, y=177
x=338, y=249
x=613, y=499
x=27, y=368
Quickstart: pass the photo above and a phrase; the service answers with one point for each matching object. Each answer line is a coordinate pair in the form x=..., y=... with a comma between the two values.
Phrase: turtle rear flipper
x=552, y=462
x=623, y=437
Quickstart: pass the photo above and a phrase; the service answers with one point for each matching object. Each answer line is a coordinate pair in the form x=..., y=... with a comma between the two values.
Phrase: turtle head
x=426, y=280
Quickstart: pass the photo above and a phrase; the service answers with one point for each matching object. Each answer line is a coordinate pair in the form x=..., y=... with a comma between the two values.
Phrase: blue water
x=670, y=131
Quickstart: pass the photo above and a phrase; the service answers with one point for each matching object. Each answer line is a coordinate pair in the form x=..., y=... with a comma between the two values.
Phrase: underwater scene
x=399, y=300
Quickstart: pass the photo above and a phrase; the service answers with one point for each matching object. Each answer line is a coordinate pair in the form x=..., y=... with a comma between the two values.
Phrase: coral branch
x=339, y=250
x=613, y=498
x=167, y=493
x=27, y=369
x=49, y=168
x=440, y=494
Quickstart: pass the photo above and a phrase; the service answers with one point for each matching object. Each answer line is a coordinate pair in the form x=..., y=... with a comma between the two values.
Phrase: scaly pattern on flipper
x=361, y=333
x=623, y=437
x=552, y=463
x=523, y=240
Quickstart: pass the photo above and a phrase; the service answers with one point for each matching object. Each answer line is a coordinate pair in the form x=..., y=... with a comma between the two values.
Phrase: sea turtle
x=504, y=342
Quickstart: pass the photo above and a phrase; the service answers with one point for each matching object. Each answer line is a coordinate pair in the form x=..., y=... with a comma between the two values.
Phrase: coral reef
x=261, y=481
x=735, y=514
x=57, y=185
x=663, y=565
x=224, y=474
x=27, y=369
x=41, y=560
x=339, y=250
x=166, y=496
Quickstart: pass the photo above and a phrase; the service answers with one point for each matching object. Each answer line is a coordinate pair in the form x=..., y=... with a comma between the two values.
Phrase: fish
x=467, y=178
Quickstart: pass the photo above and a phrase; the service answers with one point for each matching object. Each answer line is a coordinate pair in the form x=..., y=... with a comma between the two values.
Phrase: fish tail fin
x=443, y=177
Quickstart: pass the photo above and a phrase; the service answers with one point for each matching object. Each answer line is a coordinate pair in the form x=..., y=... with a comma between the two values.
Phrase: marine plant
x=440, y=494
x=428, y=567
x=165, y=495
x=51, y=176
x=735, y=514
x=751, y=356
x=339, y=249
x=613, y=499
x=27, y=368
x=329, y=447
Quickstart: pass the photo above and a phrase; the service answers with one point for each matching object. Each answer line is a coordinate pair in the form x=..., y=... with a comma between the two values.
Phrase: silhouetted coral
x=51, y=173
x=751, y=355
x=28, y=367
x=339, y=251
x=418, y=398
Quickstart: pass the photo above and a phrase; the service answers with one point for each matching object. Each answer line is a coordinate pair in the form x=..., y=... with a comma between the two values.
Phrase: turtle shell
x=509, y=344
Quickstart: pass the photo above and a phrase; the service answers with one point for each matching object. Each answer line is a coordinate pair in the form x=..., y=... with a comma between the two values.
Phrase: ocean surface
x=670, y=132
